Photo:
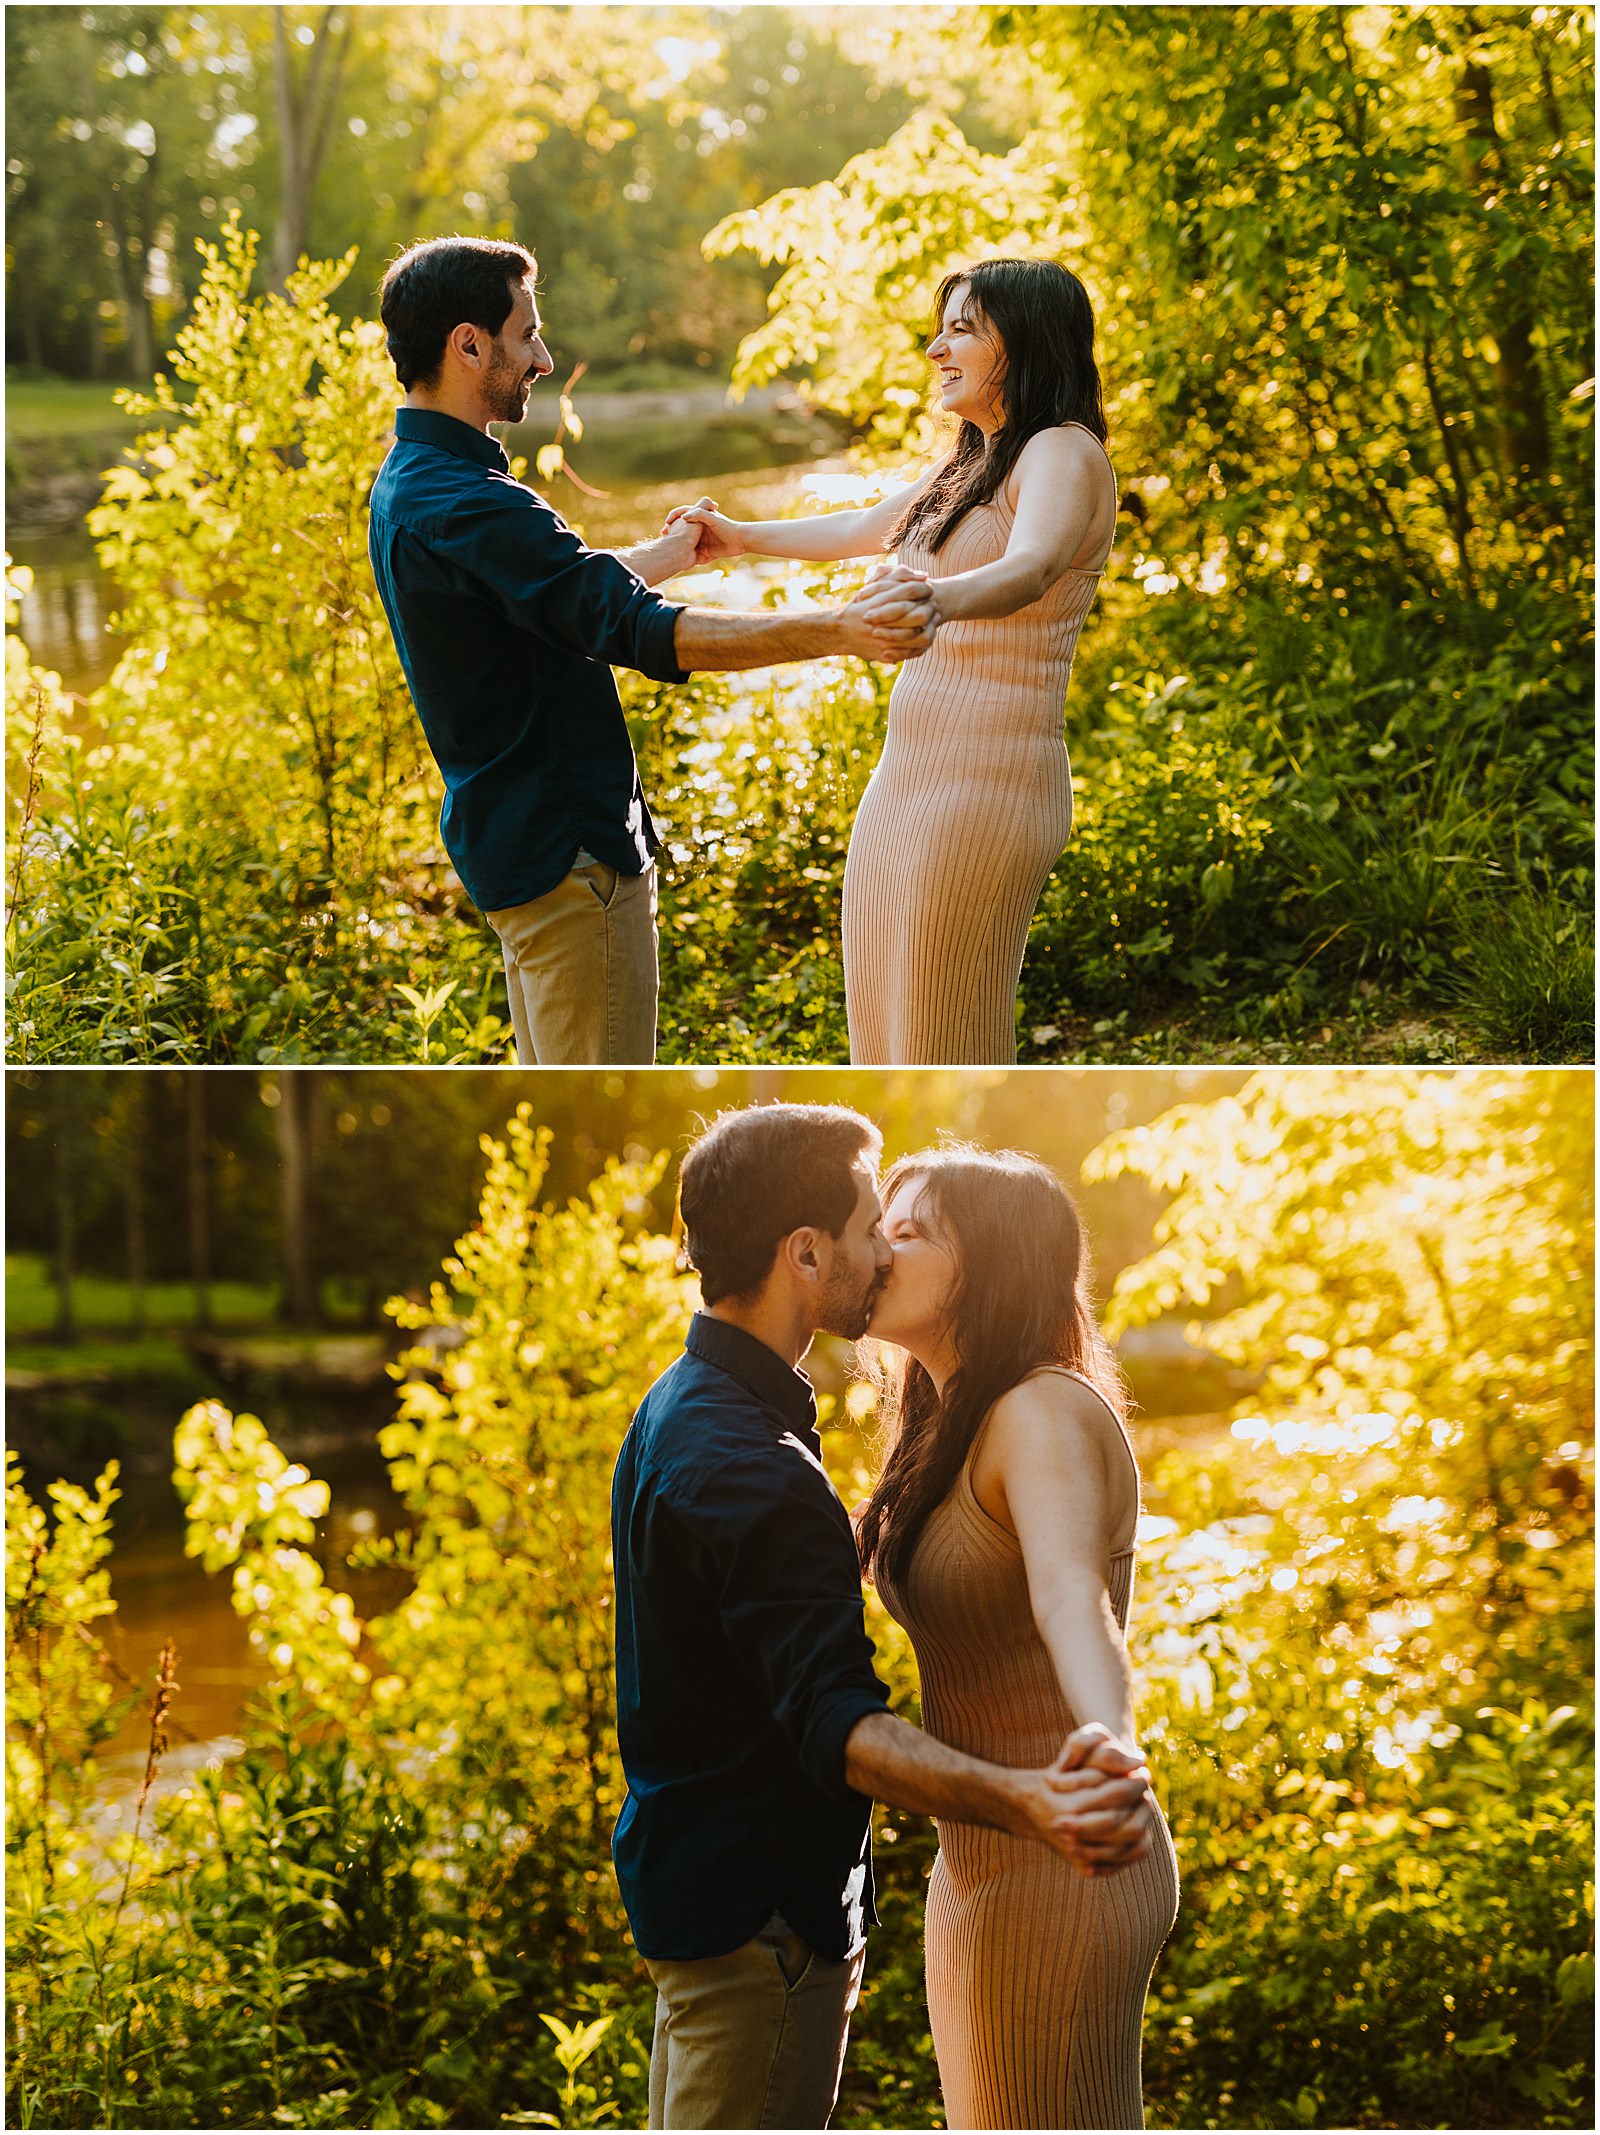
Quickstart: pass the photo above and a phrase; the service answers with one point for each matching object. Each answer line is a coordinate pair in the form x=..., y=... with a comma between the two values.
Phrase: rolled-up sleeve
x=777, y=1554
x=541, y=577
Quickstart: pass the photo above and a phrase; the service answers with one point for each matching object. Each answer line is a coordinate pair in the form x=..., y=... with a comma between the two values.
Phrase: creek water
x=66, y=613
x=161, y=1594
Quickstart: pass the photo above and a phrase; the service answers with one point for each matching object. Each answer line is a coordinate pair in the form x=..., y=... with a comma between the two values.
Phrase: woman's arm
x=1043, y=1472
x=829, y=537
x=1065, y=514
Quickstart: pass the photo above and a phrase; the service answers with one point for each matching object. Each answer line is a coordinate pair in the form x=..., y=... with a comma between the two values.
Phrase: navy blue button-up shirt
x=505, y=624
x=742, y=1662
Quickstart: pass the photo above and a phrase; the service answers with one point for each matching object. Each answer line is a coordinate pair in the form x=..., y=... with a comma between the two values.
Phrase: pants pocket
x=792, y=1955
x=603, y=882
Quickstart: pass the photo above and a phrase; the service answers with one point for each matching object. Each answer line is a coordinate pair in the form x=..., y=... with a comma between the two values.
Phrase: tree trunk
x=295, y=1123
x=133, y=1125
x=32, y=335
x=127, y=274
x=194, y=1090
x=306, y=104
x=1454, y=491
x=1524, y=430
x=66, y=1327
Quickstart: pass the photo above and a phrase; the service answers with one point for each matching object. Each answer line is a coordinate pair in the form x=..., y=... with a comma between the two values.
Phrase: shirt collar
x=427, y=426
x=748, y=1359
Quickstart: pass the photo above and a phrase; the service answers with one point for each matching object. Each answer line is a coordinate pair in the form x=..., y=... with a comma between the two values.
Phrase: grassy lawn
x=104, y=1305
x=41, y=408
x=38, y=409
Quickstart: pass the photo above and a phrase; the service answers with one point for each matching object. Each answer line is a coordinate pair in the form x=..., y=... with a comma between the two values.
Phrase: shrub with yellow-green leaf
x=236, y=854
x=1363, y=1624
x=863, y=254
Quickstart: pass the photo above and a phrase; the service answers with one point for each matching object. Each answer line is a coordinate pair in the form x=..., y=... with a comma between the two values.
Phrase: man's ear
x=466, y=343
x=802, y=1251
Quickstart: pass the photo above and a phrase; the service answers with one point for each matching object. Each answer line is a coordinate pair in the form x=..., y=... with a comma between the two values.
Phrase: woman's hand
x=1099, y=1821
x=1110, y=1825
x=900, y=627
x=1094, y=1745
x=719, y=538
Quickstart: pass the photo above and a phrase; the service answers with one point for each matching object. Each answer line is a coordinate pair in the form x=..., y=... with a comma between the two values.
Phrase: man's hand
x=717, y=536
x=669, y=555
x=680, y=548
x=898, y=609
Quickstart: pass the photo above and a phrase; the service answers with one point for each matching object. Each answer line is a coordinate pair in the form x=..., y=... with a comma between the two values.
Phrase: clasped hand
x=894, y=616
x=1095, y=1805
x=900, y=607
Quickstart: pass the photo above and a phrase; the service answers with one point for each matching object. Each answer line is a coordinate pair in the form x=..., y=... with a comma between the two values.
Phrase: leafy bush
x=231, y=852
x=1363, y=1638
x=1173, y=827
x=237, y=858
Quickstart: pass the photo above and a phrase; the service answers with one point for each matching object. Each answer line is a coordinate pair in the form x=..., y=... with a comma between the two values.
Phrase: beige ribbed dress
x=967, y=812
x=1036, y=1974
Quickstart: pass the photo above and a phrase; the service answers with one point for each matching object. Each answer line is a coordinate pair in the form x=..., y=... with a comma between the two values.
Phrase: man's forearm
x=723, y=639
x=653, y=561
x=898, y=1764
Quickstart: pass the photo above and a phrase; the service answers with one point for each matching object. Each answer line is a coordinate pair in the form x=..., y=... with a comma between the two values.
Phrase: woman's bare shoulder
x=1066, y=452
x=1052, y=1407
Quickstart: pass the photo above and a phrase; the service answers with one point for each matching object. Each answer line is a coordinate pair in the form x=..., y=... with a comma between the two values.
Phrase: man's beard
x=846, y=1307
x=502, y=388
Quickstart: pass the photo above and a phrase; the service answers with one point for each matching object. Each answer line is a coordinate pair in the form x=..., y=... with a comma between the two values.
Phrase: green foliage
x=1366, y=1625
x=608, y=139
x=1364, y=1620
x=204, y=877
x=60, y=1706
x=757, y=782
x=363, y=1918
x=863, y=253
x=1362, y=1636
x=1175, y=820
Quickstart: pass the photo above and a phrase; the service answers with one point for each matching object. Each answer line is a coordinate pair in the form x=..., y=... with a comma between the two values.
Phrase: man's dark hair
x=758, y=1174
x=445, y=283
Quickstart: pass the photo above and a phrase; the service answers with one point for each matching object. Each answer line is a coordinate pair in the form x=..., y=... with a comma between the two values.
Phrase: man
x=505, y=624
x=752, y=1726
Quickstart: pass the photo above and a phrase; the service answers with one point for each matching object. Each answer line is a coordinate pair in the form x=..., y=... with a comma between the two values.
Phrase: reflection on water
x=162, y=1594
x=62, y=618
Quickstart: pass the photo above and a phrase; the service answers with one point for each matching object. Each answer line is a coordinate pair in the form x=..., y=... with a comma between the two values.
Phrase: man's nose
x=542, y=360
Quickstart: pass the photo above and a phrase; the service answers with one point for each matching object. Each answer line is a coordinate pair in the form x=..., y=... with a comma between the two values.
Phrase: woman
x=971, y=804
x=1001, y=1535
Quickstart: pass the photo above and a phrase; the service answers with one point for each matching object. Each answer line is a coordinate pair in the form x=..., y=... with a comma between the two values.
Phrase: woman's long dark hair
x=1041, y=315
x=1020, y=1299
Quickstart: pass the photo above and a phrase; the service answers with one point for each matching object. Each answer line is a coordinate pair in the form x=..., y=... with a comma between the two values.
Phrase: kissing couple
x=754, y=1732
x=508, y=626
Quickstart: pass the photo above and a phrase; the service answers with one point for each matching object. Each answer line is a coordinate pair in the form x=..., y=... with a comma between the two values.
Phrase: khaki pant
x=581, y=970
x=752, y=2040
